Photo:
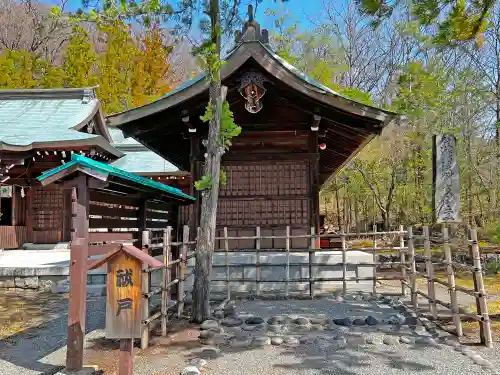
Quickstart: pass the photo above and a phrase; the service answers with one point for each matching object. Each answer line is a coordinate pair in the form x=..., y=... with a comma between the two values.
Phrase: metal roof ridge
x=84, y=93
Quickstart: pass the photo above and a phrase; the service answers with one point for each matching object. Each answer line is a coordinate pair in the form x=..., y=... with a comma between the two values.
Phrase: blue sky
x=301, y=9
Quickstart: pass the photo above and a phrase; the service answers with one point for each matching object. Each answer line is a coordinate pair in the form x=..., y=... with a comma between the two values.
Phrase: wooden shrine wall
x=47, y=214
x=116, y=218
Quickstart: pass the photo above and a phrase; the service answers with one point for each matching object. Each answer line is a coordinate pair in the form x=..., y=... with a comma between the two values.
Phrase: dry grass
x=22, y=310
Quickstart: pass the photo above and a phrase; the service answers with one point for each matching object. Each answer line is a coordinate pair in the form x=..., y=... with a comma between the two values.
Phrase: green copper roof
x=29, y=116
x=143, y=162
x=138, y=158
x=83, y=161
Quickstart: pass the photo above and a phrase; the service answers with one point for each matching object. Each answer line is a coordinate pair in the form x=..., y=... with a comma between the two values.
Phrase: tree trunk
x=206, y=240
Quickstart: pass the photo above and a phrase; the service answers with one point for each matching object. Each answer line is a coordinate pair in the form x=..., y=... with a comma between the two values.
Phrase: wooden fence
x=450, y=266
x=177, y=254
x=173, y=276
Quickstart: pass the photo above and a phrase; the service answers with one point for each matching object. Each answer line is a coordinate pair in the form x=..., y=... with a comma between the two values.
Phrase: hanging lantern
x=322, y=146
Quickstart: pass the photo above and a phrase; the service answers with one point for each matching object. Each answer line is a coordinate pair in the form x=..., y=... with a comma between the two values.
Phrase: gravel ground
x=41, y=350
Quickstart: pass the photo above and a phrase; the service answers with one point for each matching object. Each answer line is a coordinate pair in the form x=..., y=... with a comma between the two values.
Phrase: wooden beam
x=78, y=275
x=315, y=124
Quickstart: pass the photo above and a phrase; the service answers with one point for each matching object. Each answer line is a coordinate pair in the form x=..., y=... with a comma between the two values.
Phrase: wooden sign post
x=124, y=299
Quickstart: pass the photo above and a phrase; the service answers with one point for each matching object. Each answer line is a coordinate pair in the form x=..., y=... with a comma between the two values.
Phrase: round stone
x=210, y=353
x=210, y=324
x=290, y=340
x=274, y=328
x=356, y=339
x=261, y=341
x=254, y=320
x=302, y=321
x=339, y=299
x=427, y=341
x=346, y=322
x=230, y=311
x=232, y=322
x=190, y=370
x=277, y=320
x=374, y=340
x=207, y=334
x=249, y=328
x=406, y=340
x=359, y=322
x=371, y=321
x=277, y=341
x=321, y=321
x=395, y=319
x=391, y=340
x=306, y=339
x=198, y=362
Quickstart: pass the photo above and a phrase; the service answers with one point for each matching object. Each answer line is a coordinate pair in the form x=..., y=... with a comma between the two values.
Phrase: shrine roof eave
x=106, y=172
x=97, y=141
x=275, y=66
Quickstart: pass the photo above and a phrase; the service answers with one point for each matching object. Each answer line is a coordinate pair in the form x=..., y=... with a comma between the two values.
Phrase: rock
x=452, y=341
x=206, y=334
x=240, y=343
x=261, y=341
x=346, y=322
x=8, y=282
x=274, y=328
x=374, y=340
x=411, y=321
x=395, y=319
x=231, y=322
x=406, y=340
x=391, y=340
x=339, y=299
x=230, y=310
x=276, y=341
x=321, y=321
x=306, y=339
x=359, y=322
x=210, y=353
x=302, y=321
x=26, y=282
x=371, y=321
x=190, y=370
x=291, y=341
x=221, y=339
x=45, y=285
x=427, y=341
x=219, y=314
x=249, y=328
x=276, y=320
x=198, y=362
x=60, y=287
x=317, y=327
x=210, y=324
x=254, y=320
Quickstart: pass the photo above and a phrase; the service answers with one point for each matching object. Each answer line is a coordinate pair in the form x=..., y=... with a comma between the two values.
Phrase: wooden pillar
x=314, y=185
x=142, y=222
x=195, y=176
x=126, y=362
x=29, y=213
x=78, y=274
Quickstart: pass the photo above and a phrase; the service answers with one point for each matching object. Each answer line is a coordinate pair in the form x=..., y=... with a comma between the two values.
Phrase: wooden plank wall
x=48, y=213
x=116, y=218
x=12, y=237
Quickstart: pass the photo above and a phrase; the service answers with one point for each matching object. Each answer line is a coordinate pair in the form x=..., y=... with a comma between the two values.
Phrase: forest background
x=399, y=65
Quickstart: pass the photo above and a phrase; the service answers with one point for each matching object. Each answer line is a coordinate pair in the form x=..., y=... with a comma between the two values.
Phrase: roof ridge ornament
x=251, y=31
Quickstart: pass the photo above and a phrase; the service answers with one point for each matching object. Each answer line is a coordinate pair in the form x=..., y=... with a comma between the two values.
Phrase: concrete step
x=55, y=246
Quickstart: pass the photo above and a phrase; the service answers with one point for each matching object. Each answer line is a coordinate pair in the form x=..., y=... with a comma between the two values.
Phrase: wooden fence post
x=374, y=258
x=344, y=263
x=167, y=240
x=145, y=290
x=287, y=270
x=182, y=270
x=226, y=248
x=450, y=272
x=431, y=285
x=257, y=261
x=311, y=261
x=413, y=269
x=484, y=324
x=402, y=260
